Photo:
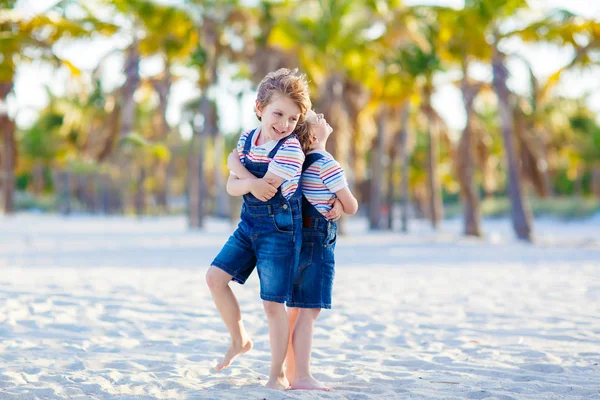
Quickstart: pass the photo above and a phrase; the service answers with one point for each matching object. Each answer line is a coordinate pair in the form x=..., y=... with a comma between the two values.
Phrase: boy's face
x=279, y=118
x=322, y=129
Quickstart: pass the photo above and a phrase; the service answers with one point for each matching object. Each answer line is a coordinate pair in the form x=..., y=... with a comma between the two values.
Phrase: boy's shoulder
x=291, y=143
x=326, y=158
x=247, y=133
x=292, y=139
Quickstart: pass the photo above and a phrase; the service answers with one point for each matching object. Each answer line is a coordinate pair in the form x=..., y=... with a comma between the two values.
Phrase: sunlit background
x=130, y=107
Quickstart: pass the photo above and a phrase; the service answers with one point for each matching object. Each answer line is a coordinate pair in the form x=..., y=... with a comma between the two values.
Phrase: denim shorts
x=313, y=279
x=268, y=238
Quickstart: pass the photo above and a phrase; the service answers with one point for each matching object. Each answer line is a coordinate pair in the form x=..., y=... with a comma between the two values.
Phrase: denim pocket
x=283, y=222
x=331, y=237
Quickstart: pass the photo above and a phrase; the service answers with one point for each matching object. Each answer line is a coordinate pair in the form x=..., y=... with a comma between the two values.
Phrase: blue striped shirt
x=286, y=164
x=321, y=180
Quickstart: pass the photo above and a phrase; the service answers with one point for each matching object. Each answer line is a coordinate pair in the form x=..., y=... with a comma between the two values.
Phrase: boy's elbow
x=230, y=188
x=354, y=209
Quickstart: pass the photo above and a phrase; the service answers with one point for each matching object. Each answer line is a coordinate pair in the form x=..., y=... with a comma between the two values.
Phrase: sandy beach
x=117, y=308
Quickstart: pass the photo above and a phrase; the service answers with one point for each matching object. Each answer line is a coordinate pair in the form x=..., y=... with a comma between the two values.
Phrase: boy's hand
x=336, y=211
x=262, y=189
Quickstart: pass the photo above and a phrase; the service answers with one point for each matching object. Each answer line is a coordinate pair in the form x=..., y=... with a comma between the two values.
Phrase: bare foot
x=233, y=352
x=290, y=371
x=289, y=375
x=280, y=383
x=309, y=383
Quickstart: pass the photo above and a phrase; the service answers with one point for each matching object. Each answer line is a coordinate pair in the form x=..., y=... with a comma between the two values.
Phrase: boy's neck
x=320, y=147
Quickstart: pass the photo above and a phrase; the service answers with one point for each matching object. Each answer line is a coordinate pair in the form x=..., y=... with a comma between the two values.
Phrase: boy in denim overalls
x=269, y=234
x=322, y=181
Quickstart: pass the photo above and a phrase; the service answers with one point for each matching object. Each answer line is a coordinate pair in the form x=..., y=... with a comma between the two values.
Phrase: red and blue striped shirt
x=321, y=180
x=286, y=164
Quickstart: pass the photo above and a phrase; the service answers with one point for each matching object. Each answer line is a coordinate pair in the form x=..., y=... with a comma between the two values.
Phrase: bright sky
x=31, y=79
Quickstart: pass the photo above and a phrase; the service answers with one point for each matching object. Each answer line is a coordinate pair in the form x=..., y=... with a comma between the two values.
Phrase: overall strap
x=311, y=159
x=278, y=145
x=248, y=143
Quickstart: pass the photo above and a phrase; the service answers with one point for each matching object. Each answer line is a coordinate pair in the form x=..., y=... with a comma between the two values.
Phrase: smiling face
x=278, y=118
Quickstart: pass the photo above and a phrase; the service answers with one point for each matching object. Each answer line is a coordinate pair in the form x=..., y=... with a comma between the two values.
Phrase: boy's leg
x=290, y=362
x=218, y=283
x=279, y=336
x=302, y=342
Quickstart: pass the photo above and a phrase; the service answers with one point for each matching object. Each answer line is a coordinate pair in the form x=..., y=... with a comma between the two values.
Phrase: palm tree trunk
x=520, y=213
x=66, y=204
x=7, y=130
x=104, y=193
x=466, y=163
x=221, y=206
x=140, y=193
x=391, y=193
x=38, y=178
x=127, y=119
x=132, y=81
x=435, y=195
x=376, y=173
x=595, y=183
x=162, y=193
x=197, y=190
x=163, y=88
x=404, y=159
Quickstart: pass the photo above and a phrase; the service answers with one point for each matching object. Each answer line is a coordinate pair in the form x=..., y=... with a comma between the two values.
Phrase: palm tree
x=39, y=32
x=484, y=17
x=420, y=59
x=214, y=21
x=154, y=29
x=329, y=40
x=465, y=45
x=9, y=150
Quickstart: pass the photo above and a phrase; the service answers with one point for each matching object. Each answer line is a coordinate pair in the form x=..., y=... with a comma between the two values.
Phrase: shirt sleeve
x=241, y=143
x=288, y=160
x=240, y=147
x=333, y=175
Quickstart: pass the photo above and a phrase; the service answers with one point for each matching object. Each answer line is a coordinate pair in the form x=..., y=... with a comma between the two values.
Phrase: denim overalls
x=313, y=279
x=268, y=236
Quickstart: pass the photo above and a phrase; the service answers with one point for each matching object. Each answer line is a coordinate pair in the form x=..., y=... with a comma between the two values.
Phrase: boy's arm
x=349, y=202
x=238, y=187
x=235, y=165
x=263, y=189
x=334, y=178
x=286, y=164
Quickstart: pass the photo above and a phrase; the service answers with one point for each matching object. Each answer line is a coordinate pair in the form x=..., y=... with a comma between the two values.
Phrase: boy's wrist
x=250, y=184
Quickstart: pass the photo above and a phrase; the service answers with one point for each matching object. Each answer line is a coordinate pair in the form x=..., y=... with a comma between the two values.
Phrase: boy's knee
x=293, y=312
x=273, y=309
x=217, y=278
x=311, y=313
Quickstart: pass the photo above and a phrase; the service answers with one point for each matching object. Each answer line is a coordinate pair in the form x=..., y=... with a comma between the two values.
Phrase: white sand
x=95, y=308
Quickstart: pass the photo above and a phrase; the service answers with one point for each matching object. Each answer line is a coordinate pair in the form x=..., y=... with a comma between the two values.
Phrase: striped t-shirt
x=286, y=164
x=321, y=180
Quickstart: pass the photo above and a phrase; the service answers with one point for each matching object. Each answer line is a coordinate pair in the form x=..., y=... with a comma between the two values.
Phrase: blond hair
x=306, y=131
x=286, y=82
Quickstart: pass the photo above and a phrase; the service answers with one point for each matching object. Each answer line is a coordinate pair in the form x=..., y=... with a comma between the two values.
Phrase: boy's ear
x=258, y=108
